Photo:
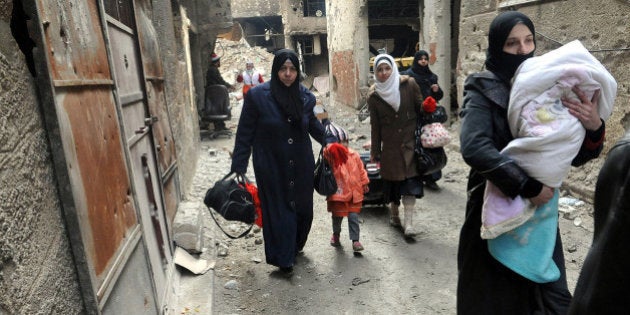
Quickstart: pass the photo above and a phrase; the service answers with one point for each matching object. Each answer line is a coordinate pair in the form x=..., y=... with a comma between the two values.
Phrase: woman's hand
x=584, y=110
x=546, y=193
x=435, y=88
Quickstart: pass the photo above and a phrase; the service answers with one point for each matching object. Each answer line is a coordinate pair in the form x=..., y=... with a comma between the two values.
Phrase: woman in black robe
x=485, y=286
x=276, y=121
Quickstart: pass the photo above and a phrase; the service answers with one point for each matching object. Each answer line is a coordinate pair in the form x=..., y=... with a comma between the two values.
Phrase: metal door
x=136, y=124
x=147, y=135
x=156, y=100
x=104, y=140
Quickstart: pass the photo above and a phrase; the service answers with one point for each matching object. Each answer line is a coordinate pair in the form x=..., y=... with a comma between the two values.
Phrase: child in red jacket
x=352, y=183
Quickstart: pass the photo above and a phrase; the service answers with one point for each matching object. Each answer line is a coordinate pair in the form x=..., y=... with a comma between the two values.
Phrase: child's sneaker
x=334, y=241
x=356, y=246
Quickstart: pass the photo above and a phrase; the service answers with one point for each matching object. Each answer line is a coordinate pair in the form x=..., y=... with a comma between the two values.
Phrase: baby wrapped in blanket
x=547, y=138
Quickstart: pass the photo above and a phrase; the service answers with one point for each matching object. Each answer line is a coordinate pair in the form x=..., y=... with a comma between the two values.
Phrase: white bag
x=434, y=135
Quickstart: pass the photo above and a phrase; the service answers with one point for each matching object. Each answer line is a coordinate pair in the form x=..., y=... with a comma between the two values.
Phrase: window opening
x=315, y=8
x=120, y=10
x=306, y=43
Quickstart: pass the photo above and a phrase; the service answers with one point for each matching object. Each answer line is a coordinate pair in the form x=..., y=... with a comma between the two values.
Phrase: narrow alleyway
x=392, y=275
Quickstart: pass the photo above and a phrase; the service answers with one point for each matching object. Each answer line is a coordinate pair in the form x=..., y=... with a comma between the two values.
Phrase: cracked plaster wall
x=37, y=274
x=348, y=58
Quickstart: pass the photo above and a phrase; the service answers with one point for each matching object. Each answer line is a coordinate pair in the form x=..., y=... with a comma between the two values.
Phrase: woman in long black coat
x=274, y=127
x=485, y=286
x=428, y=83
x=604, y=284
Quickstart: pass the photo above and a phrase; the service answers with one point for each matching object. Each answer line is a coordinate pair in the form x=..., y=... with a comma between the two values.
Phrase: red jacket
x=351, y=177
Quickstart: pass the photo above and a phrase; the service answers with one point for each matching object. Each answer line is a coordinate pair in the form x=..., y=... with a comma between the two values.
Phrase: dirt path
x=392, y=275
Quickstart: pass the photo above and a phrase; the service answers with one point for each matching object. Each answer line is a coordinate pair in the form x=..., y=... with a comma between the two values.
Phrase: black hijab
x=287, y=97
x=423, y=71
x=499, y=62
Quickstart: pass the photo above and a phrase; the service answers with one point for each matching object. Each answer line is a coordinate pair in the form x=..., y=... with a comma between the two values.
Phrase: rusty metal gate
x=102, y=91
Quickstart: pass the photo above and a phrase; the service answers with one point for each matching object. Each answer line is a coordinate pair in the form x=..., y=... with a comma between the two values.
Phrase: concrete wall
x=179, y=98
x=37, y=274
x=436, y=40
x=296, y=23
x=249, y=8
x=348, y=51
x=599, y=25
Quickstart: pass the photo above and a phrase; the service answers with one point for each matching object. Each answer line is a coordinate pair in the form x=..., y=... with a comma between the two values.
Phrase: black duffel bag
x=231, y=200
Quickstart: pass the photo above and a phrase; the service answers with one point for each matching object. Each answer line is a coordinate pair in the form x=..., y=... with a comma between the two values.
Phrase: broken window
x=306, y=44
x=315, y=8
x=386, y=9
x=120, y=10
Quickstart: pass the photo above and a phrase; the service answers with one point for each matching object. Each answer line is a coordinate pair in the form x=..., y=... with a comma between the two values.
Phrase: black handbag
x=428, y=160
x=232, y=201
x=324, y=178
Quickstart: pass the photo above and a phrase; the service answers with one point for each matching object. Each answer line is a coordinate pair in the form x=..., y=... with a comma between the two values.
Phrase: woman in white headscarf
x=395, y=101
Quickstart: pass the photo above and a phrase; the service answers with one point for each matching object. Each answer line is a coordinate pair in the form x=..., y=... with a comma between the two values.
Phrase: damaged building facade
x=338, y=38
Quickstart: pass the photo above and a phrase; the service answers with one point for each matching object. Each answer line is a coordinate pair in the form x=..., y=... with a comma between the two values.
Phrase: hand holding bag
x=432, y=132
x=324, y=178
x=230, y=198
x=428, y=160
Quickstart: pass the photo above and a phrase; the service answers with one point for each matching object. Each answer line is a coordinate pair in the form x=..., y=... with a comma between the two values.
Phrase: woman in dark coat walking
x=274, y=127
x=424, y=77
x=604, y=283
x=428, y=83
x=485, y=286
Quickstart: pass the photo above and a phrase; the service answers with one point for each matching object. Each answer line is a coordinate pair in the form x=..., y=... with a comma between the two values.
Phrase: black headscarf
x=501, y=63
x=287, y=97
x=421, y=70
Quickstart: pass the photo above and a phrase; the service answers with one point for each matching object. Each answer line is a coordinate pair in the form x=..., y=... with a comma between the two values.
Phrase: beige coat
x=392, y=133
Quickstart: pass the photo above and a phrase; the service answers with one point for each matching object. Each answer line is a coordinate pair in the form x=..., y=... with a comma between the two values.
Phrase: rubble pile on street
x=234, y=55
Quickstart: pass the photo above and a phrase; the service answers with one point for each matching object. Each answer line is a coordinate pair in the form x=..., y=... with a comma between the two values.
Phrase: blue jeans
x=353, y=225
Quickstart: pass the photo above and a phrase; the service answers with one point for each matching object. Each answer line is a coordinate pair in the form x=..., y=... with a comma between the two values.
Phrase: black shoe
x=431, y=185
x=287, y=271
